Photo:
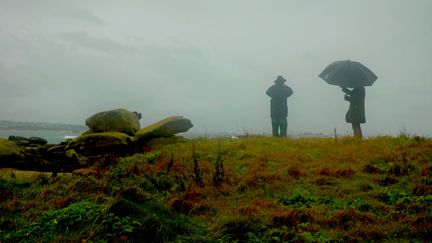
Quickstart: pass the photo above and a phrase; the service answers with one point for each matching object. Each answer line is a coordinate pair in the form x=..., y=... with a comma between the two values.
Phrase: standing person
x=279, y=93
x=356, y=112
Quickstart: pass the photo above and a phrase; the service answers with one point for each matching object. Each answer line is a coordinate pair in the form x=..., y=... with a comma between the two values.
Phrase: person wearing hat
x=279, y=94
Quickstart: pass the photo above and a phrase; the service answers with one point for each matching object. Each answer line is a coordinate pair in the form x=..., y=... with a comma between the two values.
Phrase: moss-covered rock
x=55, y=149
x=75, y=157
x=164, y=128
x=118, y=120
x=100, y=143
x=9, y=152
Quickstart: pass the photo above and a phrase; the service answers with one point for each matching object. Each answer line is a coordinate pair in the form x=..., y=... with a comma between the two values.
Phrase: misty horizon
x=212, y=62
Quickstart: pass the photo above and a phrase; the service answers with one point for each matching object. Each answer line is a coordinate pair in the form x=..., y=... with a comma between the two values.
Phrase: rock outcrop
x=28, y=141
x=83, y=151
x=118, y=120
x=100, y=143
x=164, y=128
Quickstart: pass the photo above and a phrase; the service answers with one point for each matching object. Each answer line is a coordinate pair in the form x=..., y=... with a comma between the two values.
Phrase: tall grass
x=253, y=189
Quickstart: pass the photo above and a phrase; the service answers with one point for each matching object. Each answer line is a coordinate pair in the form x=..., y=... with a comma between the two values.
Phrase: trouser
x=279, y=126
x=357, y=130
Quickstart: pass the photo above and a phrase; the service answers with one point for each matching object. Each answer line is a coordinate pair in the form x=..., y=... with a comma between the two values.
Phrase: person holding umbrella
x=279, y=94
x=356, y=112
x=348, y=74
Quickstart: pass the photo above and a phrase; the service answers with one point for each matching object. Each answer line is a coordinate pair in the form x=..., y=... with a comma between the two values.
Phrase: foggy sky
x=212, y=61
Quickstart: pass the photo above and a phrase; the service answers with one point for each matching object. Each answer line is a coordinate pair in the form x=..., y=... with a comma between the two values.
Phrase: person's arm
x=270, y=91
x=289, y=92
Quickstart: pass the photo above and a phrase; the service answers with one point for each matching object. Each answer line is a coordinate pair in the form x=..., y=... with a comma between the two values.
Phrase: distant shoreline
x=6, y=125
x=52, y=136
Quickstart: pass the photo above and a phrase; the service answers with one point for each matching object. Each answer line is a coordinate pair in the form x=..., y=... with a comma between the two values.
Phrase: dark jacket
x=356, y=112
x=278, y=104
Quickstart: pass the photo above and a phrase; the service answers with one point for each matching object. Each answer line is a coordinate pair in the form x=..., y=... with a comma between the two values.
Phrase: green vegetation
x=9, y=149
x=253, y=189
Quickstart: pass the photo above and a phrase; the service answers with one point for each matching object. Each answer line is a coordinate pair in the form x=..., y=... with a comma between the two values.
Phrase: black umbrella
x=348, y=74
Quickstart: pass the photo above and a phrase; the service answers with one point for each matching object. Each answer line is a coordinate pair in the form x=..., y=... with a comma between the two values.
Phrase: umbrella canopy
x=348, y=74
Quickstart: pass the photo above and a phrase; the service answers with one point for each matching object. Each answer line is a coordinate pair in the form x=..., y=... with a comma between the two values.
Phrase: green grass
x=270, y=190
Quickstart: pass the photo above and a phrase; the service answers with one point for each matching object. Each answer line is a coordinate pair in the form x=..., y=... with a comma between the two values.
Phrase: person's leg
x=360, y=134
x=357, y=130
x=275, y=126
x=283, y=126
x=354, y=128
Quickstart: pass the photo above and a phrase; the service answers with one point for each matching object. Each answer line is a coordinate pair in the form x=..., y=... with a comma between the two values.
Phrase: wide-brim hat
x=280, y=79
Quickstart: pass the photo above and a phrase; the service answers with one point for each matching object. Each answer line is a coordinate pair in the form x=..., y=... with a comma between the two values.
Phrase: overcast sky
x=212, y=61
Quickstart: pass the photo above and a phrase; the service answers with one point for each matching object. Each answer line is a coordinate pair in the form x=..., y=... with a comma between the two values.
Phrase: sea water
x=53, y=137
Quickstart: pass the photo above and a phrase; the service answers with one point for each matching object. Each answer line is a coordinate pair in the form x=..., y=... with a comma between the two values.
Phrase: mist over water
x=213, y=61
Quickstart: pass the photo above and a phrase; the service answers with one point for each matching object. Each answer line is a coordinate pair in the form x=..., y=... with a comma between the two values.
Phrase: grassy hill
x=252, y=189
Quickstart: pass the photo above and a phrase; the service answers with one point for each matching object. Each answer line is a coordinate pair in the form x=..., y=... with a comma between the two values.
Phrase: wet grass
x=252, y=189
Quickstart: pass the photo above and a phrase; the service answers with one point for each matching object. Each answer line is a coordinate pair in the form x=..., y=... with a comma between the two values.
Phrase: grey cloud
x=83, y=39
x=79, y=15
x=51, y=10
x=213, y=61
